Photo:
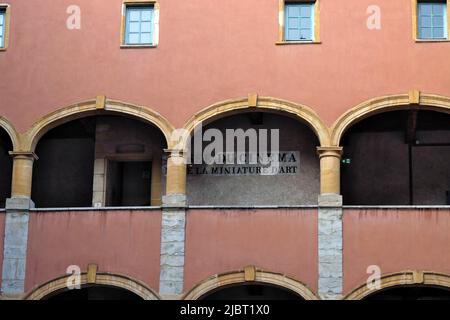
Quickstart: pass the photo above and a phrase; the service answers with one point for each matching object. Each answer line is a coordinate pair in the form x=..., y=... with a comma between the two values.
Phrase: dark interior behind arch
x=397, y=158
x=6, y=165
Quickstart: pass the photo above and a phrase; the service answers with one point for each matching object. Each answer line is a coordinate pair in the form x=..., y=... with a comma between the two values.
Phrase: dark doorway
x=251, y=292
x=94, y=293
x=128, y=183
x=411, y=293
x=6, y=164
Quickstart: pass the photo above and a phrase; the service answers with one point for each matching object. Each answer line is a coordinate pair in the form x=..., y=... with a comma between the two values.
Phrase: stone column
x=16, y=226
x=173, y=227
x=155, y=188
x=330, y=224
x=330, y=246
x=330, y=169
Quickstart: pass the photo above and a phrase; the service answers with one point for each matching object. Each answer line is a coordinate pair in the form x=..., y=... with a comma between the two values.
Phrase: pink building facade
x=87, y=137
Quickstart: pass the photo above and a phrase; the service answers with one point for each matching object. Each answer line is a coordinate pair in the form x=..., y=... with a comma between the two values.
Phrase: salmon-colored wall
x=277, y=240
x=122, y=242
x=395, y=240
x=210, y=51
x=2, y=237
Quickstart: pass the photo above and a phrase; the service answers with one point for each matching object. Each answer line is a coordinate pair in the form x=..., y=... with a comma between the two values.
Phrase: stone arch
x=103, y=279
x=414, y=99
x=11, y=131
x=89, y=108
x=230, y=107
x=241, y=276
x=427, y=278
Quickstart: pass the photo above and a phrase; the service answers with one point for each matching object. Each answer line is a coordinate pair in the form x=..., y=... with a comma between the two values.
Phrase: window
x=298, y=22
x=140, y=24
x=432, y=20
x=4, y=26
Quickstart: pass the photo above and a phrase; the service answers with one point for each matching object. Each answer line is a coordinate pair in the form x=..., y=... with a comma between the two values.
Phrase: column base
x=19, y=204
x=174, y=201
x=330, y=200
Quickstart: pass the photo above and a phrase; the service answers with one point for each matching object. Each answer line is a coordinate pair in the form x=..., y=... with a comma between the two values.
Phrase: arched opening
x=397, y=158
x=6, y=165
x=405, y=285
x=251, y=291
x=106, y=287
x=97, y=161
x=94, y=292
x=411, y=292
x=291, y=177
x=250, y=284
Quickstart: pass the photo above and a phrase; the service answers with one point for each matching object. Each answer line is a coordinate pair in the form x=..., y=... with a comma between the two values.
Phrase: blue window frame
x=299, y=21
x=139, y=25
x=432, y=20
x=2, y=27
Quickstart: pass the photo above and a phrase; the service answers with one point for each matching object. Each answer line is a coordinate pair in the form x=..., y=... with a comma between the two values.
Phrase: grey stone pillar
x=172, y=246
x=330, y=246
x=15, y=246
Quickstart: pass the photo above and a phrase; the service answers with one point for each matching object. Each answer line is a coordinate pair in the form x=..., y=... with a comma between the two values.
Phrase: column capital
x=333, y=151
x=24, y=155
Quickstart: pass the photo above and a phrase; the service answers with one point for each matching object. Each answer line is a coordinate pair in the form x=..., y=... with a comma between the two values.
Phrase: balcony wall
x=395, y=240
x=118, y=241
x=278, y=240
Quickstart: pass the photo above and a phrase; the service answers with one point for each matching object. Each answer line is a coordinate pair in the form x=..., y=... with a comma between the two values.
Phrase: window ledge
x=137, y=46
x=281, y=43
x=2, y=49
x=431, y=40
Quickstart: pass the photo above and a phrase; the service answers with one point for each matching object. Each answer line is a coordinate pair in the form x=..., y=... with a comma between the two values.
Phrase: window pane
x=146, y=38
x=134, y=26
x=2, y=18
x=1, y=31
x=425, y=33
x=425, y=22
x=133, y=38
x=425, y=9
x=146, y=27
x=439, y=9
x=306, y=23
x=135, y=15
x=438, y=21
x=146, y=15
x=293, y=10
x=305, y=34
x=306, y=10
x=293, y=23
x=293, y=34
x=438, y=33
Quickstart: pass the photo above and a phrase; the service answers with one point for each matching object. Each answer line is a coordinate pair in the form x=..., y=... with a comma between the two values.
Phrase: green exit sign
x=346, y=161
